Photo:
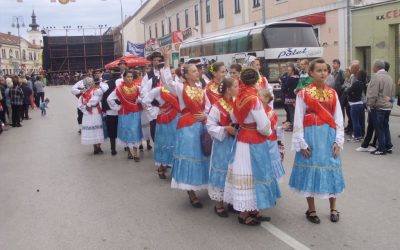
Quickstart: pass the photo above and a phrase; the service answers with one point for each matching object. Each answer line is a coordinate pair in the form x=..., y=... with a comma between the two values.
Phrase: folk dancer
x=318, y=136
x=190, y=165
x=167, y=119
x=92, y=121
x=126, y=100
x=221, y=129
x=217, y=71
x=250, y=183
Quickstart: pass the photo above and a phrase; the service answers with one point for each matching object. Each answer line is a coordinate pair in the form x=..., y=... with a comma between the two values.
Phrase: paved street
x=55, y=194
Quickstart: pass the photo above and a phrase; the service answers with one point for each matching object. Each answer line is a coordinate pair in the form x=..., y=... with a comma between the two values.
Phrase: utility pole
x=15, y=23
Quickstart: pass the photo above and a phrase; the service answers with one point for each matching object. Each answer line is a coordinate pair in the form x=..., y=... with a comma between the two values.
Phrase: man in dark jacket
x=27, y=100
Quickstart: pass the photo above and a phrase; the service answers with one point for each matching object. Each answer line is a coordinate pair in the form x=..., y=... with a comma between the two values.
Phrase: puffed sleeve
x=339, y=125
x=111, y=101
x=175, y=88
x=76, y=89
x=213, y=127
x=260, y=117
x=146, y=102
x=298, y=141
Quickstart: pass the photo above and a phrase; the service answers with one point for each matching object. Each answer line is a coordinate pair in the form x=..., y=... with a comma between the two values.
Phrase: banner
x=136, y=49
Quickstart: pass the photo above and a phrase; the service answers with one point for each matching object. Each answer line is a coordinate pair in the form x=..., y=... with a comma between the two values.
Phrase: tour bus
x=274, y=44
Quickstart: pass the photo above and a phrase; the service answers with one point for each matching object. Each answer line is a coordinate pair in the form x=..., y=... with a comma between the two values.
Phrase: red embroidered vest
x=170, y=109
x=128, y=95
x=321, y=105
x=212, y=92
x=194, y=100
x=273, y=118
x=244, y=103
x=88, y=95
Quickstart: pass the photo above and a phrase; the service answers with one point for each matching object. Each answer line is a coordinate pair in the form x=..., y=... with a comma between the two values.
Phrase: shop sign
x=187, y=33
x=390, y=14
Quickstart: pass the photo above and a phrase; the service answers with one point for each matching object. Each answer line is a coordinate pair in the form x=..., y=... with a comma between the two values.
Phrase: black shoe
x=376, y=152
x=113, y=152
x=79, y=131
x=141, y=147
x=19, y=125
x=312, y=218
x=334, y=215
x=389, y=151
x=149, y=147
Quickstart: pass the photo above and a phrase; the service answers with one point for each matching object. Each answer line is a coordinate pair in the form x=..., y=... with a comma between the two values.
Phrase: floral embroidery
x=128, y=89
x=324, y=95
x=195, y=93
x=225, y=105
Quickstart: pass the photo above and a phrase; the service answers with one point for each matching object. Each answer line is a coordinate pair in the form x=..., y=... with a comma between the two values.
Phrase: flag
x=136, y=49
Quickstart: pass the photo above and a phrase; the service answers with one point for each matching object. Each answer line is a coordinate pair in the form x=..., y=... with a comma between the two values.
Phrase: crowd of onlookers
x=358, y=96
x=19, y=95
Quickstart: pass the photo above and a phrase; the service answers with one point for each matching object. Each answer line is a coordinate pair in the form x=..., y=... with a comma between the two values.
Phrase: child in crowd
x=43, y=106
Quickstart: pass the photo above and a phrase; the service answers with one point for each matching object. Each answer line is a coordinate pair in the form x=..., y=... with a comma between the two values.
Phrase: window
x=196, y=15
x=34, y=42
x=186, y=18
x=221, y=8
x=3, y=54
x=256, y=3
x=10, y=53
x=23, y=54
x=208, y=11
x=316, y=31
x=237, y=6
x=156, y=29
x=17, y=54
x=178, y=27
x=34, y=56
x=162, y=28
x=150, y=31
x=169, y=25
x=30, y=56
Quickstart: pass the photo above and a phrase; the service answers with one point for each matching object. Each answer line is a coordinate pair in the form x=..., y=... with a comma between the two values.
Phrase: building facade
x=18, y=54
x=376, y=35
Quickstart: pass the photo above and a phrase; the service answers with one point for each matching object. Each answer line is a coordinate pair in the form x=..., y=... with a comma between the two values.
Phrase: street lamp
x=15, y=24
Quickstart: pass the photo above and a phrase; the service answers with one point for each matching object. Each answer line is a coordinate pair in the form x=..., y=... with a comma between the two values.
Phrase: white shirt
x=214, y=129
x=298, y=141
x=154, y=94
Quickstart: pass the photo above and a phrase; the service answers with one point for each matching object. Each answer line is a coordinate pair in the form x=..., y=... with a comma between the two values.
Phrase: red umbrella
x=131, y=60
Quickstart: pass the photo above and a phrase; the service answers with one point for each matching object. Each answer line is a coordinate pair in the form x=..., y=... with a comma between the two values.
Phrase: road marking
x=289, y=240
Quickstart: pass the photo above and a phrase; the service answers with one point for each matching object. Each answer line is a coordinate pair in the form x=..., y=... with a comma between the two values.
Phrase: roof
x=14, y=40
x=160, y=5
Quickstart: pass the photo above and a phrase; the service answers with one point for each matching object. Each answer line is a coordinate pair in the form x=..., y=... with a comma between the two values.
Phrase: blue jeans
x=356, y=115
x=381, y=125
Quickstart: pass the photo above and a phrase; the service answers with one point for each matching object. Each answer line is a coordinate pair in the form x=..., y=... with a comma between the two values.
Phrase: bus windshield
x=290, y=36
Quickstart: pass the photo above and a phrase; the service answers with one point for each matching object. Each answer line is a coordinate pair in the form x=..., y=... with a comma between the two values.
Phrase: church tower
x=34, y=35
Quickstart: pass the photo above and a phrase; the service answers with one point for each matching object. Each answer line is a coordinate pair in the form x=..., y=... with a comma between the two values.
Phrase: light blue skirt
x=321, y=174
x=130, y=128
x=164, y=145
x=276, y=162
x=220, y=158
x=190, y=166
x=266, y=185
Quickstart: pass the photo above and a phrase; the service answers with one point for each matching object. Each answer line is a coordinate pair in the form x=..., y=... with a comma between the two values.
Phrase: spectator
x=330, y=80
x=288, y=89
x=3, y=100
x=17, y=100
x=27, y=99
x=9, y=85
x=39, y=86
x=355, y=93
x=379, y=100
x=339, y=78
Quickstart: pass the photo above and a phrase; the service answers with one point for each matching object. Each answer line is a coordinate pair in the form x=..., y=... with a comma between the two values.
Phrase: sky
x=87, y=13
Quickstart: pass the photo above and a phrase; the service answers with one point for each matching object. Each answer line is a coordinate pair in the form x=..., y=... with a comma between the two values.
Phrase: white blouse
x=96, y=99
x=298, y=141
x=214, y=129
x=154, y=94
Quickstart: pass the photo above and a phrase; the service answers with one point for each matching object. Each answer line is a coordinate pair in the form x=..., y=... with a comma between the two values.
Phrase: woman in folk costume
x=190, y=165
x=250, y=183
x=317, y=139
x=219, y=126
x=217, y=72
x=262, y=82
x=276, y=148
x=125, y=99
x=167, y=114
x=92, y=121
x=234, y=72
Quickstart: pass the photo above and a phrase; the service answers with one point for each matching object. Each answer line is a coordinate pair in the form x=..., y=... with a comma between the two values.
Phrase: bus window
x=286, y=37
x=208, y=48
x=239, y=43
x=256, y=40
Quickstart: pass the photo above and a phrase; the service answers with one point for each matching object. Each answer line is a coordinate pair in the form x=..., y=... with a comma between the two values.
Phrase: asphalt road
x=55, y=194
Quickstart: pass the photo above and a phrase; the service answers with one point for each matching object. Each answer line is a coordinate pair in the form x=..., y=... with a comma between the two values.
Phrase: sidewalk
x=396, y=110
